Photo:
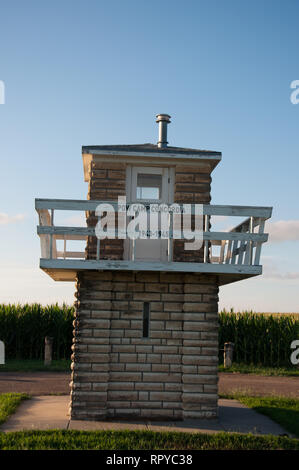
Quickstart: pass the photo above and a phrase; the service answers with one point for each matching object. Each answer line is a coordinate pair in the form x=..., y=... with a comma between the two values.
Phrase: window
x=149, y=186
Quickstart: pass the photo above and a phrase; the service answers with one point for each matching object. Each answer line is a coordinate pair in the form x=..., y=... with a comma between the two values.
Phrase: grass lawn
x=285, y=411
x=261, y=370
x=33, y=365
x=9, y=403
x=140, y=440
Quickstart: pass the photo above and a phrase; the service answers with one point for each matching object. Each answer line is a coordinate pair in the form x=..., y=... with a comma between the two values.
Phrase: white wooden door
x=149, y=185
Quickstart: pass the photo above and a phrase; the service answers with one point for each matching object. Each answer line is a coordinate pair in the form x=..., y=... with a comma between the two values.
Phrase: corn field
x=258, y=338
x=23, y=329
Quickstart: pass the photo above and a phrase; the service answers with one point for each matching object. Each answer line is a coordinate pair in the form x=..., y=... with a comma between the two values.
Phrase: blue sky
x=96, y=72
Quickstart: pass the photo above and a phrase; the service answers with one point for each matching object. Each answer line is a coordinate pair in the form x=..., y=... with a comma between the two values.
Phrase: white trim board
x=208, y=209
x=66, y=270
x=150, y=266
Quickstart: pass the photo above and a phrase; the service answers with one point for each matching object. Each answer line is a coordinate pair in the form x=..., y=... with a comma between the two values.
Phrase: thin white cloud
x=283, y=230
x=271, y=271
x=77, y=220
x=6, y=219
x=282, y=276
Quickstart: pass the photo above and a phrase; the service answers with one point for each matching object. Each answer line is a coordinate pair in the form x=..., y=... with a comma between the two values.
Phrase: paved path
x=51, y=412
x=35, y=383
x=259, y=385
x=46, y=383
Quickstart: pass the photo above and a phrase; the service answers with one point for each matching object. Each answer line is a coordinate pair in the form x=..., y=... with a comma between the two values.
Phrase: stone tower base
x=118, y=373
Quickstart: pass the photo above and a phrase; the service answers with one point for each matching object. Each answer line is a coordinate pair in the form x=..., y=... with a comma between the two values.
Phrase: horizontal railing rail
x=60, y=231
x=208, y=209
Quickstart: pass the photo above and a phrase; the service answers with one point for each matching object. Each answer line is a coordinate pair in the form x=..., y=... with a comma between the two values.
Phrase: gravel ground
x=259, y=385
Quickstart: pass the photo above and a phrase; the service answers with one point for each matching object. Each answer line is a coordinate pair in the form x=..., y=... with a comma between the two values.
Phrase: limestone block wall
x=192, y=186
x=117, y=373
x=107, y=181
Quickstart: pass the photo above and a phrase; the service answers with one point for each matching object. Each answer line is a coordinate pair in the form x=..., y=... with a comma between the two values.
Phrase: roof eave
x=212, y=158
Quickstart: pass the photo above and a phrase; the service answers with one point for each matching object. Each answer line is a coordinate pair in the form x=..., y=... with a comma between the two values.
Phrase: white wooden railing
x=240, y=246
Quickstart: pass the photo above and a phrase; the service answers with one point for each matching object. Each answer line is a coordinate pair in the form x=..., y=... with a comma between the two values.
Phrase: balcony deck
x=238, y=256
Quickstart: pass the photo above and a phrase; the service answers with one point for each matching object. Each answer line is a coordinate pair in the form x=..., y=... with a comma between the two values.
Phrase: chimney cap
x=163, y=117
x=163, y=120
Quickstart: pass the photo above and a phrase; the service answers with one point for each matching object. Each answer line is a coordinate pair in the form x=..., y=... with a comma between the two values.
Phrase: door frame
x=168, y=174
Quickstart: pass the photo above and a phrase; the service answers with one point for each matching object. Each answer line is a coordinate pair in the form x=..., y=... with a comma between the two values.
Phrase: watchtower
x=145, y=329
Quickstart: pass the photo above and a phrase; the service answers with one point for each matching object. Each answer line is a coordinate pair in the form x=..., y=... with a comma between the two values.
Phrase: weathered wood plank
x=208, y=209
x=248, y=252
x=234, y=249
x=228, y=252
x=250, y=211
x=243, y=246
x=90, y=231
x=149, y=266
x=259, y=244
x=221, y=256
x=68, y=231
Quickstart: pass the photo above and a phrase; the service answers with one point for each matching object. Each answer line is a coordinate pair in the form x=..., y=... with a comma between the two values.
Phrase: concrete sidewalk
x=50, y=412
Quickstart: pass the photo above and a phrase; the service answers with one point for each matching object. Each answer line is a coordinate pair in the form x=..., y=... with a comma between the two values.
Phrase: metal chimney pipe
x=163, y=120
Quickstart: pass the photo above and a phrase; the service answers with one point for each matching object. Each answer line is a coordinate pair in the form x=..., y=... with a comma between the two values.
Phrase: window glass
x=149, y=186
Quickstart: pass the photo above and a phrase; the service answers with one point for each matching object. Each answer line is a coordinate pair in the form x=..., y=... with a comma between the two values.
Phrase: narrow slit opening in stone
x=146, y=314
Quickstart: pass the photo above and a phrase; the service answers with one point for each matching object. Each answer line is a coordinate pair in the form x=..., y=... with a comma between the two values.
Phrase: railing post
x=222, y=250
x=64, y=247
x=98, y=248
x=234, y=251
x=170, y=235
x=249, y=246
x=133, y=249
x=259, y=244
x=228, y=252
x=251, y=228
x=51, y=235
x=206, y=242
